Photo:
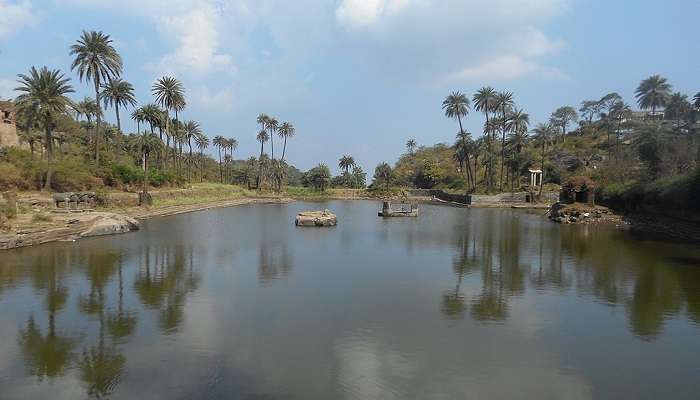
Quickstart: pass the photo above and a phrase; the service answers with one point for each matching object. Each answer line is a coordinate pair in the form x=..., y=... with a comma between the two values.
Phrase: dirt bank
x=71, y=226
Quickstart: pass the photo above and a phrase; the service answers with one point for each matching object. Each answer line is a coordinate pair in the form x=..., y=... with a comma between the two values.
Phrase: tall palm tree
x=345, y=163
x=118, y=93
x=97, y=61
x=169, y=94
x=504, y=104
x=219, y=142
x=272, y=128
x=485, y=101
x=231, y=145
x=45, y=91
x=456, y=105
x=653, y=93
x=411, y=145
x=543, y=134
x=286, y=130
x=202, y=142
x=261, y=137
x=518, y=123
x=150, y=145
x=191, y=130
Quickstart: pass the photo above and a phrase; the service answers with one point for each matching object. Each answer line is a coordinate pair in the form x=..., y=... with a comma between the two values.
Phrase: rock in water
x=316, y=218
x=111, y=224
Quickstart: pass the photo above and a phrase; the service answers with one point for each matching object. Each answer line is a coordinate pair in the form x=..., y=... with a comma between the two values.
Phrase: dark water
x=239, y=304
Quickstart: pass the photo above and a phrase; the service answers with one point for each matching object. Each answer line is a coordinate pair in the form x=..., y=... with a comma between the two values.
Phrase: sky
x=361, y=77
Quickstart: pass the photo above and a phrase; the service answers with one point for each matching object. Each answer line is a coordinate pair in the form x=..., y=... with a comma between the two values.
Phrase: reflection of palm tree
x=46, y=356
x=101, y=367
x=655, y=298
x=121, y=323
x=166, y=286
x=273, y=263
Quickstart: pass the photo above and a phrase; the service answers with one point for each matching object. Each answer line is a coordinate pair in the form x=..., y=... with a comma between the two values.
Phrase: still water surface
x=237, y=303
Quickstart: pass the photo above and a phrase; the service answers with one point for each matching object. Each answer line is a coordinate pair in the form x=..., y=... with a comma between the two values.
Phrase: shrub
x=41, y=217
x=72, y=174
x=11, y=177
x=127, y=174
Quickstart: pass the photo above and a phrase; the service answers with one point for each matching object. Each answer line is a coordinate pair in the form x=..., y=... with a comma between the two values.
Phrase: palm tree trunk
x=189, y=162
x=119, y=133
x=49, y=156
x=544, y=143
x=503, y=145
x=284, y=148
x=145, y=176
x=221, y=171
x=97, y=125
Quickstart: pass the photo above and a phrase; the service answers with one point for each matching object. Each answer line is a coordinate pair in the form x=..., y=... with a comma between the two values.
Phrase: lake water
x=238, y=303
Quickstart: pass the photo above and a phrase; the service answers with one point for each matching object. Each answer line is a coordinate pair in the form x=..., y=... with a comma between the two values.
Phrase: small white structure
x=535, y=177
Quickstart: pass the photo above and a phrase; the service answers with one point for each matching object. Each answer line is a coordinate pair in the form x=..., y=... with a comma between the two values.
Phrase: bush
x=11, y=177
x=127, y=174
x=72, y=175
x=41, y=217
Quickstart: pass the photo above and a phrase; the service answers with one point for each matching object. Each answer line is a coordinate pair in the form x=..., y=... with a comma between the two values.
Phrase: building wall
x=8, y=129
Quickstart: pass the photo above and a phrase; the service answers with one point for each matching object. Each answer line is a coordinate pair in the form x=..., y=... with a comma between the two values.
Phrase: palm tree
x=485, y=101
x=150, y=144
x=118, y=93
x=382, y=174
x=286, y=130
x=169, y=94
x=696, y=100
x=202, y=142
x=231, y=145
x=411, y=145
x=456, y=106
x=219, y=142
x=678, y=107
x=345, y=163
x=652, y=93
x=98, y=61
x=191, y=130
x=262, y=137
x=518, y=122
x=272, y=127
x=504, y=103
x=543, y=134
x=45, y=91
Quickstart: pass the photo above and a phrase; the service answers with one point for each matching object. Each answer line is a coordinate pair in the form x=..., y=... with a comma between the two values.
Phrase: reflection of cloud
x=368, y=371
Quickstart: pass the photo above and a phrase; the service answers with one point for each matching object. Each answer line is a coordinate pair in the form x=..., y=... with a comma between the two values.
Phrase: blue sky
x=361, y=77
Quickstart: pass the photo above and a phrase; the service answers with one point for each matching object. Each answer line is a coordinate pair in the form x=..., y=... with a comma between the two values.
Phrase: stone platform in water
x=402, y=209
x=316, y=218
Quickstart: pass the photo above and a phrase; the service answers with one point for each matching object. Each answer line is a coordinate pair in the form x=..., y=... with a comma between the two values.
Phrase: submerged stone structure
x=316, y=218
x=401, y=209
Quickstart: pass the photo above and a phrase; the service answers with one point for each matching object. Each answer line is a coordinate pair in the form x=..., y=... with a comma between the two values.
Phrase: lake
x=238, y=303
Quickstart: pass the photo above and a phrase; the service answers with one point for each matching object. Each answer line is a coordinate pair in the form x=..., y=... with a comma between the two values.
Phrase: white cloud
x=197, y=35
x=458, y=39
x=214, y=100
x=15, y=15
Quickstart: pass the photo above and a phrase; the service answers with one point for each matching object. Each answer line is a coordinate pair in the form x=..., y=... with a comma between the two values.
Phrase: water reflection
x=97, y=311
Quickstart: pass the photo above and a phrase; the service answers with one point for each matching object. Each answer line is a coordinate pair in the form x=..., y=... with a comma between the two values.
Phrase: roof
x=535, y=170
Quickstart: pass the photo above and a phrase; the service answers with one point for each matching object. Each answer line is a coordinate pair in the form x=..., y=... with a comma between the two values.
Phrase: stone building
x=8, y=125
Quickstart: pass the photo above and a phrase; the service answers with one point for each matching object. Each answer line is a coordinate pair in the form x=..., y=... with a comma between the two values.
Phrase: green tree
x=150, y=145
x=96, y=61
x=202, y=143
x=485, y=101
x=169, y=94
x=345, y=163
x=543, y=135
x=505, y=104
x=45, y=92
x=118, y=93
x=653, y=93
x=383, y=175
x=219, y=142
x=562, y=117
x=411, y=146
x=191, y=129
x=286, y=131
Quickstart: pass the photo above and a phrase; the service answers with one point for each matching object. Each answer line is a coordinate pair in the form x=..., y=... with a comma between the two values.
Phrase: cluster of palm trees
x=227, y=146
x=44, y=99
x=505, y=131
x=271, y=168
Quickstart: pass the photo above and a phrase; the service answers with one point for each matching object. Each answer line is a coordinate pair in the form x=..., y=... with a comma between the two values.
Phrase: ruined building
x=8, y=126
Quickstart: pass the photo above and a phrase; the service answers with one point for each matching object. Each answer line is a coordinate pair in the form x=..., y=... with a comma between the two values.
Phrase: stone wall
x=483, y=199
x=8, y=128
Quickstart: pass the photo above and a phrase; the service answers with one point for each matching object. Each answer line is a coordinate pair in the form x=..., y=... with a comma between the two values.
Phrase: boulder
x=316, y=218
x=109, y=225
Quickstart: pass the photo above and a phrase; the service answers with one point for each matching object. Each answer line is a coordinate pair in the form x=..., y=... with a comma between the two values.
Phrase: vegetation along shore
x=637, y=162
